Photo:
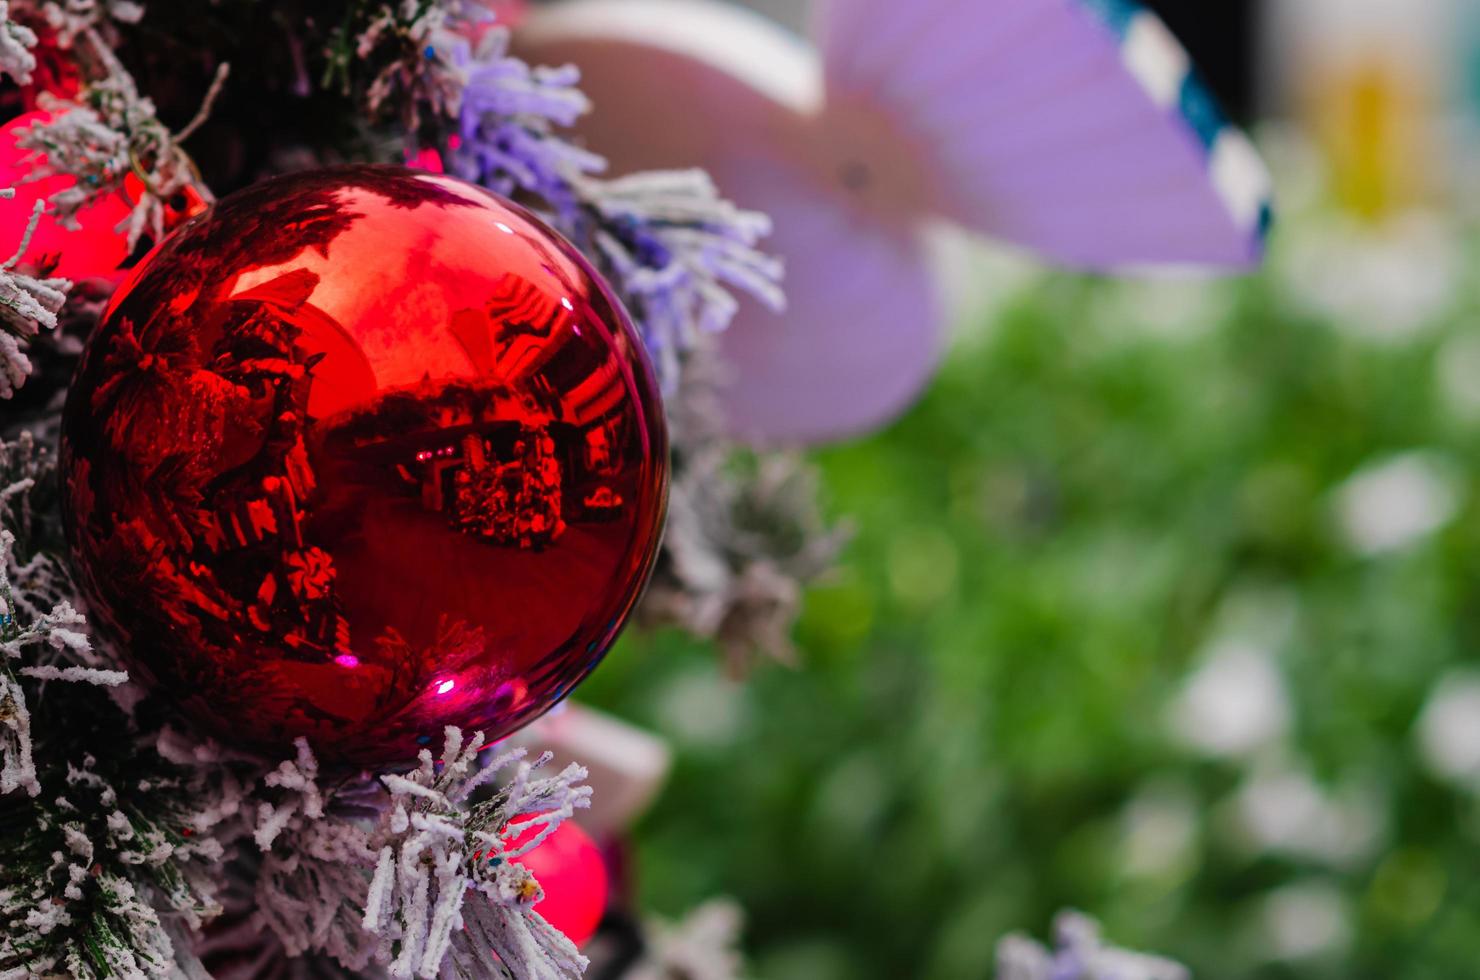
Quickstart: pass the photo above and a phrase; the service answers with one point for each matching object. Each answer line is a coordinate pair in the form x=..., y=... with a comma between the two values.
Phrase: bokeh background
x=1163, y=604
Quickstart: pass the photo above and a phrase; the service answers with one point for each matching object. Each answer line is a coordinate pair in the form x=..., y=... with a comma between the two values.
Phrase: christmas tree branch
x=745, y=533
x=28, y=305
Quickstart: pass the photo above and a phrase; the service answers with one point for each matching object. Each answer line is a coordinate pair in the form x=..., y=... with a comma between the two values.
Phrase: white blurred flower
x=1392, y=503
x=703, y=709
x=1234, y=703
x=1159, y=831
x=1303, y=920
x=1281, y=809
x=1381, y=282
x=1172, y=309
x=1448, y=731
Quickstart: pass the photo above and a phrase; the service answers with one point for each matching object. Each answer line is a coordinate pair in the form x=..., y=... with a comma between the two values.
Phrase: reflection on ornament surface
x=330, y=471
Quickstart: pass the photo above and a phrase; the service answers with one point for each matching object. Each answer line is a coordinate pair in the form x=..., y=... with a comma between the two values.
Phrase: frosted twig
x=61, y=630
x=671, y=244
x=218, y=82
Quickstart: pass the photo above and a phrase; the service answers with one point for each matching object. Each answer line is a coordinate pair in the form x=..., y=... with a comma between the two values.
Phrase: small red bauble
x=359, y=454
x=572, y=873
x=96, y=249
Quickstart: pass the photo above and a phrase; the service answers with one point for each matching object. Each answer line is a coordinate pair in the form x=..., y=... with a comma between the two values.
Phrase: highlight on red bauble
x=572, y=873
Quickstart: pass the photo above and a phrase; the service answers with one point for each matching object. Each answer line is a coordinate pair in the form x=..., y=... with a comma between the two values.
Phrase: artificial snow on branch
x=106, y=875
x=447, y=885
x=314, y=874
x=416, y=873
x=1079, y=953
x=71, y=19
x=42, y=645
x=16, y=42
x=28, y=305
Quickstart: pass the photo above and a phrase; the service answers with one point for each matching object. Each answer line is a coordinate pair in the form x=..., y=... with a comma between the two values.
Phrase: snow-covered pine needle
x=28, y=305
x=447, y=892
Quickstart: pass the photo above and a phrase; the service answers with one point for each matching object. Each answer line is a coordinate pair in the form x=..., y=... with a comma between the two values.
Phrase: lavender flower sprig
x=669, y=244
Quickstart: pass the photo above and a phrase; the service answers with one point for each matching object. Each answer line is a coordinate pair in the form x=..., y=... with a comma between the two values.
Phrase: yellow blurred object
x=1374, y=119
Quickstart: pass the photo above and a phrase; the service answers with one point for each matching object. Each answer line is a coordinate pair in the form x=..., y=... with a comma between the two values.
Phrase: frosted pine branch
x=745, y=532
x=28, y=305
x=312, y=883
x=71, y=19
x=59, y=634
x=38, y=581
x=414, y=873
x=1079, y=954
x=94, y=884
x=446, y=890
x=671, y=245
x=16, y=42
x=506, y=122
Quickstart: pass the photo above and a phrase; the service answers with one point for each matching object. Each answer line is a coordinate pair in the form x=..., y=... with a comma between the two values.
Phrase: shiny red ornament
x=572, y=873
x=358, y=454
x=95, y=250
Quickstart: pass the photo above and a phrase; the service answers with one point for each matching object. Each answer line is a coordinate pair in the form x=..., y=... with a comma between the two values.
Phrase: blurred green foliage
x=1045, y=546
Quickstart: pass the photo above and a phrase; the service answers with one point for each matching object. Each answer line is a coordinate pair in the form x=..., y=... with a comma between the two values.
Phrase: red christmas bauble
x=572, y=873
x=358, y=454
x=96, y=249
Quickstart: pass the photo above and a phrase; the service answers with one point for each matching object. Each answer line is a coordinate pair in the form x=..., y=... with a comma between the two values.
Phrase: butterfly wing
x=678, y=83
x=1076, y=128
